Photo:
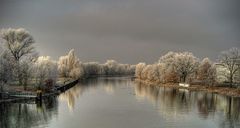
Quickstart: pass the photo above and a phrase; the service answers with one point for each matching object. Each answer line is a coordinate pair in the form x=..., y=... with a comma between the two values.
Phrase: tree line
x=69, y=66
x=20, y=63
x=175, y=67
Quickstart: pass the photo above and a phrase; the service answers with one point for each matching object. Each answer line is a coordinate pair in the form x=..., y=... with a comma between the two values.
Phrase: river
x=119, y=102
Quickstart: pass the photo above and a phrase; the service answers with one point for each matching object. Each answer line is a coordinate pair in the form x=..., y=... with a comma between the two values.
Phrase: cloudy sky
x=128, y=31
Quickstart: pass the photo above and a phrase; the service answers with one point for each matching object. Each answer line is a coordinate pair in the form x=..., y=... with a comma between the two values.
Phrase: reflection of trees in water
x=169, y=102
x=149, y=92
x=107, y=83
x=71, y=95
x=174, y=103
x=20, y=115
x=206, y=103
x=232, y=108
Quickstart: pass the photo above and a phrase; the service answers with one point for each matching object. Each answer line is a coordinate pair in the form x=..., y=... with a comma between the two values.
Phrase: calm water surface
x=123, y=103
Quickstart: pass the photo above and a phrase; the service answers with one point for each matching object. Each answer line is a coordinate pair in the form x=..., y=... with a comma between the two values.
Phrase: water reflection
x=27, y=115
x=174, y=103
x=122, y=102
x=71, y=95
x=108, y=84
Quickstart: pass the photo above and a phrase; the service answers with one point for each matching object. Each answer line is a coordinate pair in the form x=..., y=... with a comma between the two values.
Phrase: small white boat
x=183, y=85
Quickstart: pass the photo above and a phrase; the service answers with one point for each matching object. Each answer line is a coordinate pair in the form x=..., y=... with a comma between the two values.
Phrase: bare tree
x=230, y=60
x=19, y=43
x=168, y=71
x=139, y=69
x=153, y=73
x=26, y=71
x=207, y=72
x=6, y=72
x=185, y=63
x=111, y=67
x=181, y=64
x=70, y=66
x=44, y=68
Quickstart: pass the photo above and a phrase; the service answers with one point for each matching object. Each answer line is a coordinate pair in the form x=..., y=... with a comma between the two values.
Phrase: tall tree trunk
x=19, y=73
x=25, y=87
x=231, y=79
x=20, y=79
x=184, y=78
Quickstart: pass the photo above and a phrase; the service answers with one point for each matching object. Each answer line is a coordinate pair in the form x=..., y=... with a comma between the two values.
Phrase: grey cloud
x=128, y=30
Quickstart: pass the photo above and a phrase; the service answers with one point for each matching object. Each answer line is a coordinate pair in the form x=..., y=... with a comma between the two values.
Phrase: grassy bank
x=211, y=89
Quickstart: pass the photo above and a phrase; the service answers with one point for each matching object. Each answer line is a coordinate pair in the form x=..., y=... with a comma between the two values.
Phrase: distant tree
x=168, y=58
x=44, y=70
x=168, y=71
x=70, y=66
x=63, y=69
x=161, y=72
x=139, y=69
x=207, y=72
x=26, y=71
x=178, y=64
x=19, y=43
x=185, y=63
x=93, y=68
x=132, y=69
x=6, y=73
x=170, y=75
x=146, y=73
x=153, y=73
x=230, y=60
x=77, y=71
x=112, y=67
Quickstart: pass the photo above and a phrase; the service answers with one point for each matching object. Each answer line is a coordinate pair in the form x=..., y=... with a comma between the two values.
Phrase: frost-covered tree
x=145, y=72
x=139, y=69
x=93, y=69
x=168, y=58
x=112, y=67
x=44, y=69
x=6, y=73
x=132, y=69
x=77, y=71
x=26, y=71
x=168, y=71
x=19, y=44
x=185, y=63
x=70, y=66
x=206, y=72
x=153, y=73
x=171, y=67
x=63, y=66
x=161, y=72
x=230, y=60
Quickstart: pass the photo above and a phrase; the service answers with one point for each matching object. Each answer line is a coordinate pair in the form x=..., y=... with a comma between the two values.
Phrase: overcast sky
x=128, y=31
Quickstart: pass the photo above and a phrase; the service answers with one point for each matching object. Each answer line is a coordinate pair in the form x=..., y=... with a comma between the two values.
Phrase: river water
x=119, y=102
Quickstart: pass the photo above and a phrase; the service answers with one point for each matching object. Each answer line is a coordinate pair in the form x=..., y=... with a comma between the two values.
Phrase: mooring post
x=39, y=98
x=39, y=95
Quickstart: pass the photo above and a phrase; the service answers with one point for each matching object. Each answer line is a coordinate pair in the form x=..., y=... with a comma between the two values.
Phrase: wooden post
x=39, y=96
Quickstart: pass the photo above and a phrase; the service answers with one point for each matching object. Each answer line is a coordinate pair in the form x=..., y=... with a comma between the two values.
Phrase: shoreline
x=55, y=92
x=227, y=91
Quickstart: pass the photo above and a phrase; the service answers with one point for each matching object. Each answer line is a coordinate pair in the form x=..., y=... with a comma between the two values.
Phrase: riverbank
x=227, y=91
x=25, y=95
